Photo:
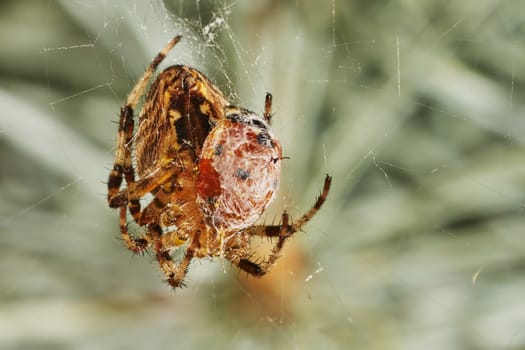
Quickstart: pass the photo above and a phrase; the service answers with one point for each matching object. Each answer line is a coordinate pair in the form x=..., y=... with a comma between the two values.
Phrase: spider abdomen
x=239, y=170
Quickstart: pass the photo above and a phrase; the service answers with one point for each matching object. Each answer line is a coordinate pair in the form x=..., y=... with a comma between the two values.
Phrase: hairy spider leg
x=282, y=232
x=122, y=167
x=175, y=273
x=268, y=107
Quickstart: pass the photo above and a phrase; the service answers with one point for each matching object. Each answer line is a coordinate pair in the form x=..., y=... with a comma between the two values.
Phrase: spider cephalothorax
x=212, y=169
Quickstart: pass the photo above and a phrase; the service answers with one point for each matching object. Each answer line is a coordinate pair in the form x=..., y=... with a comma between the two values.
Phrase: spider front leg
x=282, y=232
x=175, y=273
x=123, y=169
x=122, y=166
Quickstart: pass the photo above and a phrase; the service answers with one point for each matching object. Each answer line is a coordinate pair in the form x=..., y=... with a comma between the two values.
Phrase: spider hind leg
x=282, y=232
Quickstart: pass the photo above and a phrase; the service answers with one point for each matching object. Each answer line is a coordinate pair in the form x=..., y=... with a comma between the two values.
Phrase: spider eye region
x=238, y=174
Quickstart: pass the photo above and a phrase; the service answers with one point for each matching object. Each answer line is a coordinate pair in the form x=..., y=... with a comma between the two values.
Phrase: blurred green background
x=415, y=108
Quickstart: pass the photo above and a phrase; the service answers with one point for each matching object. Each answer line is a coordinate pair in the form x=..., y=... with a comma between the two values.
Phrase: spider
x=211, y=168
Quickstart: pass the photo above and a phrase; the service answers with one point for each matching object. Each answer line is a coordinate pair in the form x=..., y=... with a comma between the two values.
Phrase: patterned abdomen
x=239, y=170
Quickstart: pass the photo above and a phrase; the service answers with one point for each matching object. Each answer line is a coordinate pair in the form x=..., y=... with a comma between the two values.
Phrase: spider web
x=414, y=108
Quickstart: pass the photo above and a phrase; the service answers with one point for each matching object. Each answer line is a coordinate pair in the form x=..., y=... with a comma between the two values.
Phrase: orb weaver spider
x=211, y=168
